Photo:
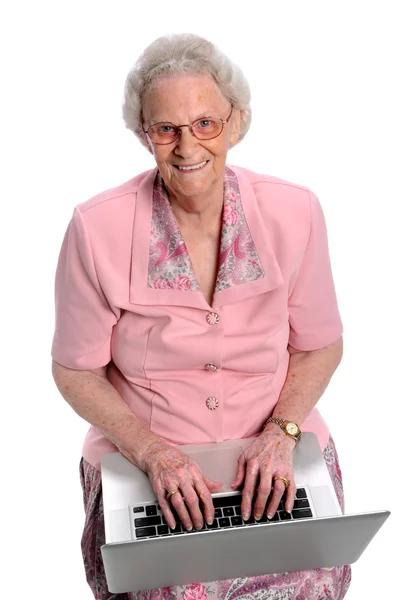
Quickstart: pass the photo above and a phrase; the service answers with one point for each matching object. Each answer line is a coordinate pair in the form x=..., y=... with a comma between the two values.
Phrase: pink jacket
x=126, y=295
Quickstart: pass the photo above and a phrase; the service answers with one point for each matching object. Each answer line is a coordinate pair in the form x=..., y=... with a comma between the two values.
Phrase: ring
x=285, y=481
x=170, y=494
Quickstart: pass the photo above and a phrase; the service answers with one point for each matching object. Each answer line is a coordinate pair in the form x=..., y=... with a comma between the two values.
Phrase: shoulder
x=107, y=218
x=109, y=215
x=106, y=200
x=267, y=187
x=282, y=203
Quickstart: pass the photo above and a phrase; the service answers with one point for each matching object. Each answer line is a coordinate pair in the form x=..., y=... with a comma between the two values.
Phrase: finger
x=249, y=489
x=290, y=496
x=165, y=508
x=212, y=484
x=206, y=501
x=240, y=476
x=275, y=498
x=178, y=503
x=263, y=492
x=191, y=502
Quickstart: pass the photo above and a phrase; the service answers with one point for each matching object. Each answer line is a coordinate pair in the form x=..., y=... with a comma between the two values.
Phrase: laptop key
x=238, y=510
x=285, y=516
x=301, y=493
x=145, y=532
x=137, y=509
x=217, y=513
x=302, y=513
x=227, y=501
x=236, y=520
x=250, y=520
x=151, y=510
x=228, y=511
x=163, y=530
x=264, y=519
x=301, y=503
x=214, y=525
x=224, y=522
x=146, y=521
x=177, y=529
x=274, y=518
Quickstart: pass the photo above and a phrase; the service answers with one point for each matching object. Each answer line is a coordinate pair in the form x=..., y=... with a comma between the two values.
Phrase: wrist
x=288, y=428
x=139, y=453
x=148, y=452
x=274, y=430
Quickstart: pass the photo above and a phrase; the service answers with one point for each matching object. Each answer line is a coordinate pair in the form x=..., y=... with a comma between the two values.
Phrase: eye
x=204, y=123
x=165, y=128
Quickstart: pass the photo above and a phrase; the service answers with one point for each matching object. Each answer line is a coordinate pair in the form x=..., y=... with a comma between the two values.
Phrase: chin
x=194, y=190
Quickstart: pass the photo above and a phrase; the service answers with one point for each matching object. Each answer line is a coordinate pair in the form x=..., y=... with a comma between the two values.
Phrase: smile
x=191, y=167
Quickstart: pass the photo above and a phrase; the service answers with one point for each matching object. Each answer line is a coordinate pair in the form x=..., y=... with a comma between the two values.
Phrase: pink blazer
x=126, y=295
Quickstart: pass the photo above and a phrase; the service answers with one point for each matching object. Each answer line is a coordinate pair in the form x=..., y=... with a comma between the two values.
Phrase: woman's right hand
x=169, y=469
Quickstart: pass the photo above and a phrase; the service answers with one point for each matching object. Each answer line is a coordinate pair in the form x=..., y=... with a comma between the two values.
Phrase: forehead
x=181, y=98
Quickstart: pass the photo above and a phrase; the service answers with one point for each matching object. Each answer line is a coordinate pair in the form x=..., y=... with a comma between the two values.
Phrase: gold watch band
x=277, y=420
x=282, y=424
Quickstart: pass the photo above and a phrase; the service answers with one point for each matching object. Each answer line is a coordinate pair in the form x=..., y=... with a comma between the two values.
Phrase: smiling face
x=181, y=100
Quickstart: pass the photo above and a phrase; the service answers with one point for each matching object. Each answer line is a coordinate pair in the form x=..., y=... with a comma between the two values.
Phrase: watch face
x=292, y=429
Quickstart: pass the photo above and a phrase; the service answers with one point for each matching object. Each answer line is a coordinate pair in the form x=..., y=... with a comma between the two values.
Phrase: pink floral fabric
x=170, y=267
x=316, y=584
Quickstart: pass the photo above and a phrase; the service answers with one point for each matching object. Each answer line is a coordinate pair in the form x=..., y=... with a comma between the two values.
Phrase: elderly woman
x=195, y=304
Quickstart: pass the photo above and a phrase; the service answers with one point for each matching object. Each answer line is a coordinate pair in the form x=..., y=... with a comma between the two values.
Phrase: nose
x=187, y=144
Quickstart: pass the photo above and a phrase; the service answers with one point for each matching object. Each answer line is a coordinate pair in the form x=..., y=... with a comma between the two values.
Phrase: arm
x=308, y=376
x=82, y=341
x=94, y=398
x=313, y=320
x=271, y=453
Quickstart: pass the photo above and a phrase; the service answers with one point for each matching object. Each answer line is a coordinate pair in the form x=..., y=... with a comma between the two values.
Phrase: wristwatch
x=292, y=430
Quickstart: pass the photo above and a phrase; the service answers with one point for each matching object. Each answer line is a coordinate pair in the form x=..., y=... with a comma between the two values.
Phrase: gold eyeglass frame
x=190, y=126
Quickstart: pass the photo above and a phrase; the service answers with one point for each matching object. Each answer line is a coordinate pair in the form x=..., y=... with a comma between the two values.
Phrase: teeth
x=193, y=168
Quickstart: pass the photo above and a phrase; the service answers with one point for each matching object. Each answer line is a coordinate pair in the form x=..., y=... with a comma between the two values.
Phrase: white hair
x=189, y=54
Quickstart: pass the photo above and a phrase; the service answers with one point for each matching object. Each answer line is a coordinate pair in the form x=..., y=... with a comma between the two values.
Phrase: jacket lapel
x=248, y=243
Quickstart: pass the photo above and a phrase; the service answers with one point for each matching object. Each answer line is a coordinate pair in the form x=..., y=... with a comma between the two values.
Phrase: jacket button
x=211, y=367
x=212, y=403
x=213, y=318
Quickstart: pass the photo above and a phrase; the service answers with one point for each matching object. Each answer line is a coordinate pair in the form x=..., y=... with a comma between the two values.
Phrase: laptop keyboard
x=148, y=520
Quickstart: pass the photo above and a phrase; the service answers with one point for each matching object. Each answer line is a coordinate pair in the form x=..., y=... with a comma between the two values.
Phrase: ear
x=146, y=142
x=235, y=126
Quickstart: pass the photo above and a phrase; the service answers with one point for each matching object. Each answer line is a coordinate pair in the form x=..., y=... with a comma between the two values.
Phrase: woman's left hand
x=269, y=455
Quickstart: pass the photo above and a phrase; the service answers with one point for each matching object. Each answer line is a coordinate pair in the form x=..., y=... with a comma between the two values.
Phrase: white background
x=323, y=77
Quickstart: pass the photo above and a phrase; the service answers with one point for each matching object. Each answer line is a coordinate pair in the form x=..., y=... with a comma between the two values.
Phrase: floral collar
x=170, y=266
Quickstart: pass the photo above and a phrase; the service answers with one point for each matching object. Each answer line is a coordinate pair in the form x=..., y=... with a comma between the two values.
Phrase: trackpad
x=221, y=465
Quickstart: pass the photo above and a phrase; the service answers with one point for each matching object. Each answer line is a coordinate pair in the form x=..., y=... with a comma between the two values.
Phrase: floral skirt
x=316, y=584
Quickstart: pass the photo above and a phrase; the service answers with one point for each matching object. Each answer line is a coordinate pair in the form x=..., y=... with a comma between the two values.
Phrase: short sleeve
x=83, y=317
x=313, y=311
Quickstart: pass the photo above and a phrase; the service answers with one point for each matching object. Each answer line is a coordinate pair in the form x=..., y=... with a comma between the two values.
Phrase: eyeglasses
x=206, y=128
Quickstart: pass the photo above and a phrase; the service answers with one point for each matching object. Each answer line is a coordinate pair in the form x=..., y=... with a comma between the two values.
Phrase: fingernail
x=245, y=516
x=269, y=516
x=257, y=517
x=210, y=522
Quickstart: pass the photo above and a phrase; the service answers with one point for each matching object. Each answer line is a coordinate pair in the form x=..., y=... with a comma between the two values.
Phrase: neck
x=197, y=211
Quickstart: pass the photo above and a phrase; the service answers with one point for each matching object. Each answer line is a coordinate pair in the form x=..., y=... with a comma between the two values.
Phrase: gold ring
x=285, y=481
x=170, y=494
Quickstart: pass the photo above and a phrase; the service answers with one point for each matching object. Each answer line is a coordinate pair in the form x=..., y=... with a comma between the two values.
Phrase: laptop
x=141, y=552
